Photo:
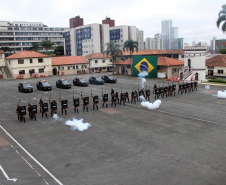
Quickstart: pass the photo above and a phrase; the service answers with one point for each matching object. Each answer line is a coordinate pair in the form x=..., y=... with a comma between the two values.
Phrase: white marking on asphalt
x=31, y=156
x=6, y=176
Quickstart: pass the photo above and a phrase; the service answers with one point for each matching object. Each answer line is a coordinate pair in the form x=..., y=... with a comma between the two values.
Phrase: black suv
x=79, y=81
x=43, y=85
x=96, y=80
x=109, y=79
x=62, y=83
x=25, y=87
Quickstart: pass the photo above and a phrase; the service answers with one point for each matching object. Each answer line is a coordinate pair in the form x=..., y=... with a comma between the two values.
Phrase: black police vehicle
x=43, y=85
x=96, y=80
x=109, y=79
x=62, y=83
x=79, y=81
x=25, y=87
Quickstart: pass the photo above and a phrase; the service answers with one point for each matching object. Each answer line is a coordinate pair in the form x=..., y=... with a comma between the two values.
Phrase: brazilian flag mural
x=145, y=64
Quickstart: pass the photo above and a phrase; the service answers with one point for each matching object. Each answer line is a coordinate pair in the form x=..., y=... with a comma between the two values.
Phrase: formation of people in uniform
x=167, y=90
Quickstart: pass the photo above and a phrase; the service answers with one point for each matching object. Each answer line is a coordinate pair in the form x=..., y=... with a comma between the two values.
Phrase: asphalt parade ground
x=180, y=143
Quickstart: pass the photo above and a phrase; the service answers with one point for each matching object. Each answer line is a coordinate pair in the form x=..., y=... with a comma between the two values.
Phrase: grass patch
x=217, y=83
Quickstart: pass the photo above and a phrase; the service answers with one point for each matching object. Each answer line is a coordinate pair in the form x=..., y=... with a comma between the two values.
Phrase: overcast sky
x=195, y=19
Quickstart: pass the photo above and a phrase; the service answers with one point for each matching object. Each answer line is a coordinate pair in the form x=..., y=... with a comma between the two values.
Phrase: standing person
x=64, y=106
x=105, y=99
x=85, y=103
x=53, y=105
x=95, y=101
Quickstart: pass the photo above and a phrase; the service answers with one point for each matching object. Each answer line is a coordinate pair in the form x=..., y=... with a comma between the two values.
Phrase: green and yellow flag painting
x=143, y=64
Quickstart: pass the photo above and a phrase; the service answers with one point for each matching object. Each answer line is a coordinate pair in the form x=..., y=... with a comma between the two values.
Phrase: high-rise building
x=109, y=21
x=20, y=36
x=153, y=43
x=93, y=38
x=140, y=39
x=76, y=21
x=170, y=36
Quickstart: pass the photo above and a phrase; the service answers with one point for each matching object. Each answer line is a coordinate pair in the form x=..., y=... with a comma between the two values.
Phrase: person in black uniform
x=53, y=106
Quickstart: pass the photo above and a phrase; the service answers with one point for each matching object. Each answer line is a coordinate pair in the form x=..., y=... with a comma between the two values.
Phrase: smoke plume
x=221, y=94
x=207, y=87
x=76, y=124
x=141, y=77
x=56, y=117
x=149, y=105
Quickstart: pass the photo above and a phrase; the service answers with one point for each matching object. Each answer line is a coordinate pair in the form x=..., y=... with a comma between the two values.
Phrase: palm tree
x=222, y=18
x=46, y=44
x=130, y=46
x=113, y=50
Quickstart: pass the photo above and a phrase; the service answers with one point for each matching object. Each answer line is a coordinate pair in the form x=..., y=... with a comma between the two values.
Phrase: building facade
x=20, y=36
x=140, y=39
x=26, y=64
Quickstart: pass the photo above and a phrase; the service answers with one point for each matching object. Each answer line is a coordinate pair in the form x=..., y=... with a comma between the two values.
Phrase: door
x=196, y=76
x=210, y=72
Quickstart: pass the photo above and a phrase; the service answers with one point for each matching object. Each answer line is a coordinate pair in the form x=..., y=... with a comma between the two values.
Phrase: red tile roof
x=67, y=60
x=162, y=61
x=97, y=55
x=124, y=62
x=155, y=52
x=166, y=61
x=27, y=54
x=219, y=60
x=2, y=52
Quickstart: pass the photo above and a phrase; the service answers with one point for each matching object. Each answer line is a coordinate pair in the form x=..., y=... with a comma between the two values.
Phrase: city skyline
x=195, y=20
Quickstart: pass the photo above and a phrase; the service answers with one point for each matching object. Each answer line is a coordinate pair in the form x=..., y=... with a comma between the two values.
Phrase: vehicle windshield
x=65, y=82
x=82, y=80
x=26, y=85
x=110, y=77
x=98, y=79
x=45, y=83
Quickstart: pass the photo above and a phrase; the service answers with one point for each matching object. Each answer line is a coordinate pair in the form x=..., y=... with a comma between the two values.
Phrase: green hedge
x=218, y=80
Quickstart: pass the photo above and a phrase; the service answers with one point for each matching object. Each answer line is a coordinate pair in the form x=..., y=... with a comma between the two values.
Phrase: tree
x=113, y=50
x=5, y=49
x=35, y=47
x=130, y=46
x=59, y=50
x=46, y=44
x=222, y=18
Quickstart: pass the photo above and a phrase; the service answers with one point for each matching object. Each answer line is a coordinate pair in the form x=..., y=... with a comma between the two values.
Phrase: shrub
x=218, y=80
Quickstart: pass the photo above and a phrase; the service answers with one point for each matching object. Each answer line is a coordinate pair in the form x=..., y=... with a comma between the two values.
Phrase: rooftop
x=219, y=60
x=67, y=60
x=27, y=54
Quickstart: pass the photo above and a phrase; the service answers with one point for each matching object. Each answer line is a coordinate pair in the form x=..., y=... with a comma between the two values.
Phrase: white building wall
x=105, y=36
x=73, y=42
x=133, y=33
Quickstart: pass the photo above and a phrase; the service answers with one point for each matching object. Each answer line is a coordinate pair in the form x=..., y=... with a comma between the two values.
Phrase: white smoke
x=149, y=105
x=76, y=124
x=56, y=117
x=141, y=77
x=207, y=87
x=221, y=94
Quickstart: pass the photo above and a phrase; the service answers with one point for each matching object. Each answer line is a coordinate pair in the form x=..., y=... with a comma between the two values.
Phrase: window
x=73, y=67
x=82, y=66
x=40, y=60
x=128, y=66
x=220, y=71
x=31, y=71
x=96, y=61
x=110, y=60
x=103, y=61
x=21, y=61
x=76, y=67
x=58, y=68
x=21, y=72
x=31, y=61
x=174, y=70
x=68, y=67
x=85, y=66
x=41, y=70
x=9, y=62
x=62, y=68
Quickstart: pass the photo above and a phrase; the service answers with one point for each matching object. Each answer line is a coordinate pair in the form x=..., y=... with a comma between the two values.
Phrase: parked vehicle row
x=64, y=84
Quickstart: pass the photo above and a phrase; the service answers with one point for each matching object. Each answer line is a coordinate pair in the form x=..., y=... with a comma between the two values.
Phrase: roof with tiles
x=219, y=60
x=27, y=54
x=155, y=52
x=2, y=52
x=97, y=55
x=68, y=60
x=162, y=61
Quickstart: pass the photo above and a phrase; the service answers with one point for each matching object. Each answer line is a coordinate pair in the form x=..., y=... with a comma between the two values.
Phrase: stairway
x=7, y=73
x=186, y=72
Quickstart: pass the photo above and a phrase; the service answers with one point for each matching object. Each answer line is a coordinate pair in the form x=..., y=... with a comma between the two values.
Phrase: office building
x=20, y=36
